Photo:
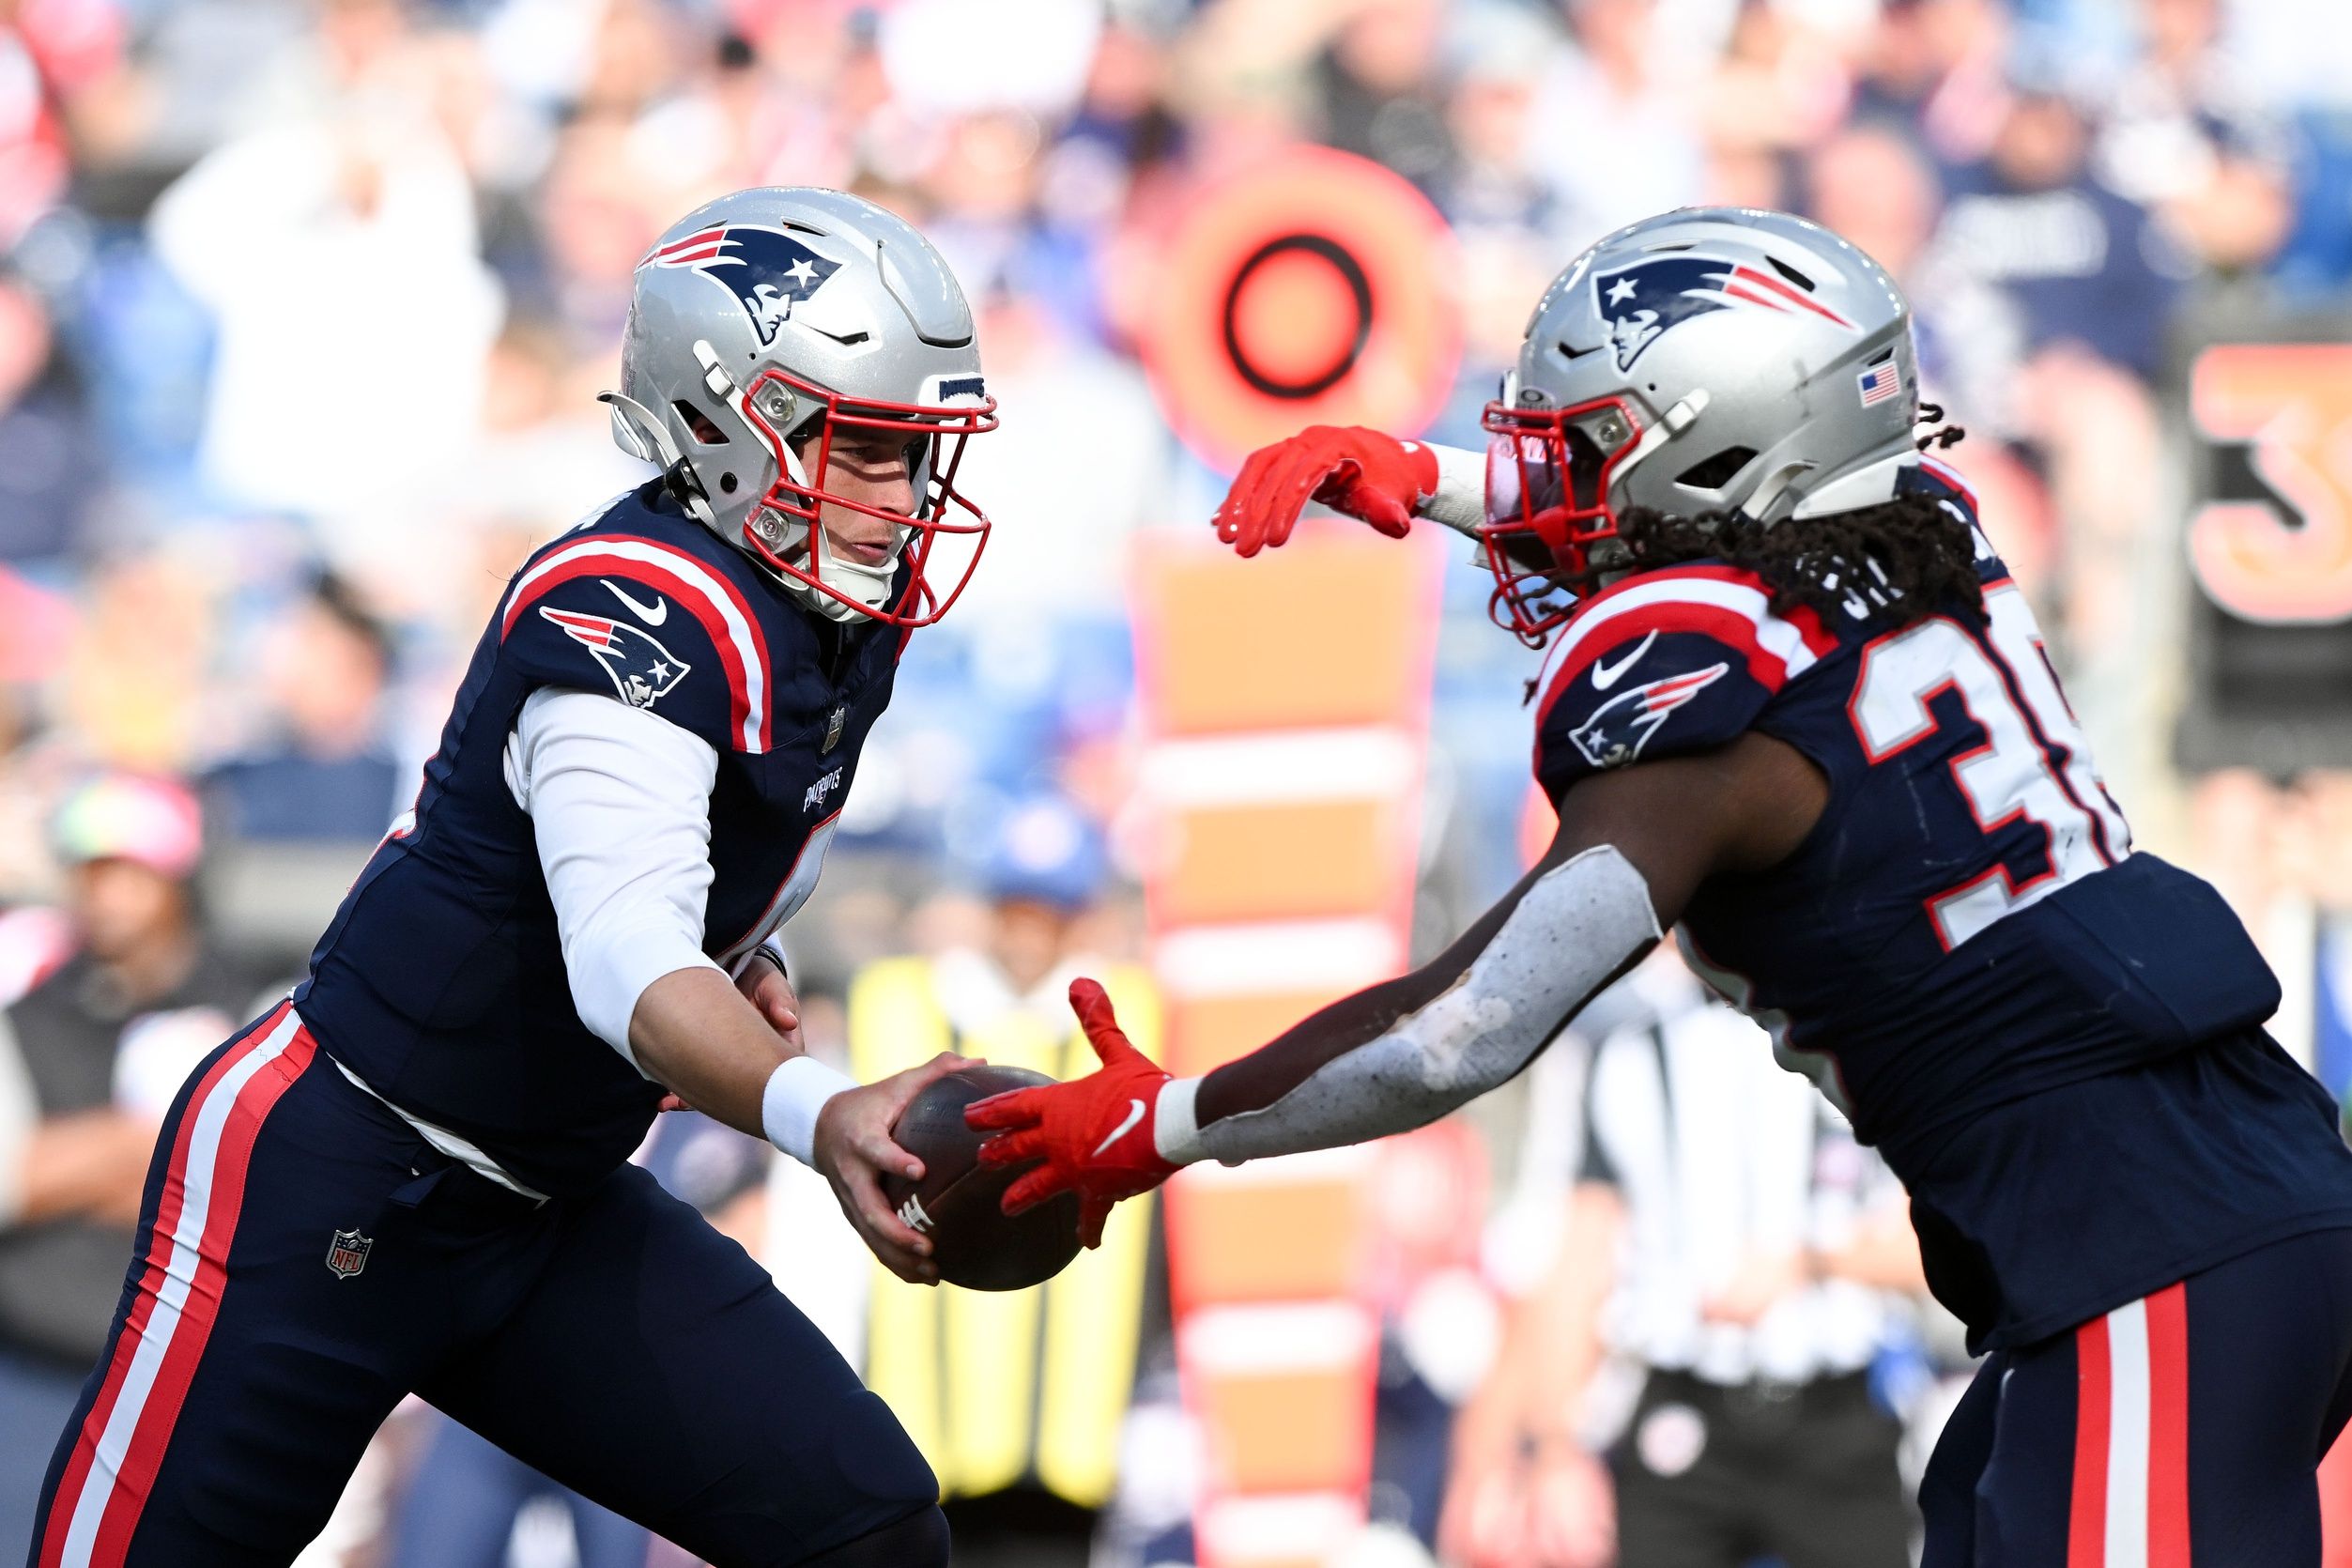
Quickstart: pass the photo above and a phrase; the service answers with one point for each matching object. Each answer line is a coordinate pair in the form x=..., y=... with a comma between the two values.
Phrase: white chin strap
x=868, y=585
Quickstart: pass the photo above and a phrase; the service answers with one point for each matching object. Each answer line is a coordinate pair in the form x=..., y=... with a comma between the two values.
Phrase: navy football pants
x=2180, y=1431
x=612, y=1340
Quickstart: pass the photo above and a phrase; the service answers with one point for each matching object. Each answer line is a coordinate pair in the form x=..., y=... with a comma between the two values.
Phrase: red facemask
x=934, y=432
x=1548, y=480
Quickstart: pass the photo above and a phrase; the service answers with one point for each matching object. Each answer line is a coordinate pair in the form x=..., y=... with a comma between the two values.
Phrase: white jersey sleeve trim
x=620, y=804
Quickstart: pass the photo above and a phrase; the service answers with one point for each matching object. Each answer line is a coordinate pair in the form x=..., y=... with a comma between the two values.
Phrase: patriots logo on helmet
x=1640, y=302
x=767, y=271
x=642, y=669
x=1620, y=727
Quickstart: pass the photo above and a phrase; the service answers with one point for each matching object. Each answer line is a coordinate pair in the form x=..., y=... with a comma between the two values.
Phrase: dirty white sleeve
x=1460, y=502
x=620, y=804
x=1573, y=929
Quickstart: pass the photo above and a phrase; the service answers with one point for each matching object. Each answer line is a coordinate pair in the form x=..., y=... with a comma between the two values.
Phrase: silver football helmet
x=1711, y=359
x=762, y=327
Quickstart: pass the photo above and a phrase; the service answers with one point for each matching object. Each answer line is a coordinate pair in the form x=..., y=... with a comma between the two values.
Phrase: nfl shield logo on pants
x=348, y=1254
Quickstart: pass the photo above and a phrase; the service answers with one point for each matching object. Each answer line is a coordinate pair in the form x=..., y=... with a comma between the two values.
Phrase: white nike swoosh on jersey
x=653, y=617
x=1605, y=674
x=1134, y=1115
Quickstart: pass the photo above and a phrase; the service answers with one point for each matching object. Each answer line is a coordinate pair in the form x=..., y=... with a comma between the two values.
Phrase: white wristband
x=797, y=1091
x=1175, y=1132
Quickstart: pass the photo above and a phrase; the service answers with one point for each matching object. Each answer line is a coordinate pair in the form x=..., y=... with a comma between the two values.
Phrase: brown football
x=956, y=1204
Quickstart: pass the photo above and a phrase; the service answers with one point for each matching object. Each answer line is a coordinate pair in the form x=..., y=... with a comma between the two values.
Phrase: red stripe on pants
x=2168, y=1427
x=2087, y=1527
x=126, y=1489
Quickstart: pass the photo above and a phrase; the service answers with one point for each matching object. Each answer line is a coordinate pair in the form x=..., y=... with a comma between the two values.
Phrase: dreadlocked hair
x=1908, y=556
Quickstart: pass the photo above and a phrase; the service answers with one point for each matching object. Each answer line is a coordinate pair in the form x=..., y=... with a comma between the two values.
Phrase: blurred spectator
x=1934, y=68
x=2187, y=135
x=1024, y=1465
x=334, y=245
x=1614, y=132
x=50, y=461
x=90, y=1059
x=1379, y=91
x=1730, y=1240
x=2082, y=264
x=328, y=774
x=52, y=54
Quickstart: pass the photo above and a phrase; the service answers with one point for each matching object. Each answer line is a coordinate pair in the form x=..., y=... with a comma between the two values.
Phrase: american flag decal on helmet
x=1620, y=727
x=1880, y=382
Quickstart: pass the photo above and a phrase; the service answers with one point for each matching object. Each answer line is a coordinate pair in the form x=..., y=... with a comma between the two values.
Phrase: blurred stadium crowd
x=303, y=305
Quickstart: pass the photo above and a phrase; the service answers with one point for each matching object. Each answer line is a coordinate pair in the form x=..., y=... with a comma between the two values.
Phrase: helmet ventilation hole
x=699, y=422
x=1716, y=471
x=1790, y=274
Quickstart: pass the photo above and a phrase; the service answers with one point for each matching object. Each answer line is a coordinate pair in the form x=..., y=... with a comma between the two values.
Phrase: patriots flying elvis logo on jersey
x=1640, y=302
x=1620, y=727
x=767, y=271
x=642, y=669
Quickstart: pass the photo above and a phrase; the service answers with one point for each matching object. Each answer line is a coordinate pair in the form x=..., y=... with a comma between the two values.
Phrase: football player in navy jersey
x=1800, y=712
x=414, y=1173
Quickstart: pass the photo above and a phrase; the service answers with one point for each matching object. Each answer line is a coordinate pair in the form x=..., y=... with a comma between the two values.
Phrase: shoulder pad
x=657, y=624
x=1672, y=662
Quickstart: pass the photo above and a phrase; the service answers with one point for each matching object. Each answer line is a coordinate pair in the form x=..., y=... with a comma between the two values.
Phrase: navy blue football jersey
x=442, y=981
x=1968, y=925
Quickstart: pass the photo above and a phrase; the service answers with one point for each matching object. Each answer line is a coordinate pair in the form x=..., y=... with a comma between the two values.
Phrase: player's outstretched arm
x=1633, y=846
x=1358, y=472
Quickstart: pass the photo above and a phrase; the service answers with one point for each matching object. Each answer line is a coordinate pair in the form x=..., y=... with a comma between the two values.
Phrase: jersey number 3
x=2033, y=766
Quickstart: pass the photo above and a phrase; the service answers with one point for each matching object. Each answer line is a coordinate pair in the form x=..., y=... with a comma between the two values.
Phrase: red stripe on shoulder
x=1951, y=476
x=1690, y=599
x=679, y=574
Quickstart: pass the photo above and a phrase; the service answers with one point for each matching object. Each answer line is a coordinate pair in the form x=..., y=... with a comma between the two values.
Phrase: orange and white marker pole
x=1286, y=710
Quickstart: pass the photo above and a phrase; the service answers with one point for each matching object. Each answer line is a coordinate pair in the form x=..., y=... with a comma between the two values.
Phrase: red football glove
x=1364, y=473
x=1093, y=1136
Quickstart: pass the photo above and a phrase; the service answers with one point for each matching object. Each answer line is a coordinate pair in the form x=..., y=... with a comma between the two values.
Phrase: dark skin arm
x=1745, y=807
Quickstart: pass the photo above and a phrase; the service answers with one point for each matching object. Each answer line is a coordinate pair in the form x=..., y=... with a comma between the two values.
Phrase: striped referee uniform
x=1754, y=1432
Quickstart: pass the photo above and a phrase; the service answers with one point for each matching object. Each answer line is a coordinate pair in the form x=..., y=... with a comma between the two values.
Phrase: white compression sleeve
x=1576, y=928
x=1460, y=502
x=620, y=804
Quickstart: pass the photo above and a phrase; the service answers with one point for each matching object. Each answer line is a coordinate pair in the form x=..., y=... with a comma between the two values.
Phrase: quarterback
x=413, y=1175
x=1801, y=715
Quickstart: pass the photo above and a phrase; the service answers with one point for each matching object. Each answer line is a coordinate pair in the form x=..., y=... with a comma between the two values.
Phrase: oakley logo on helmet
x=1640, y=302
x=767, y=271
x=642, y=670
x=1620, y=727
